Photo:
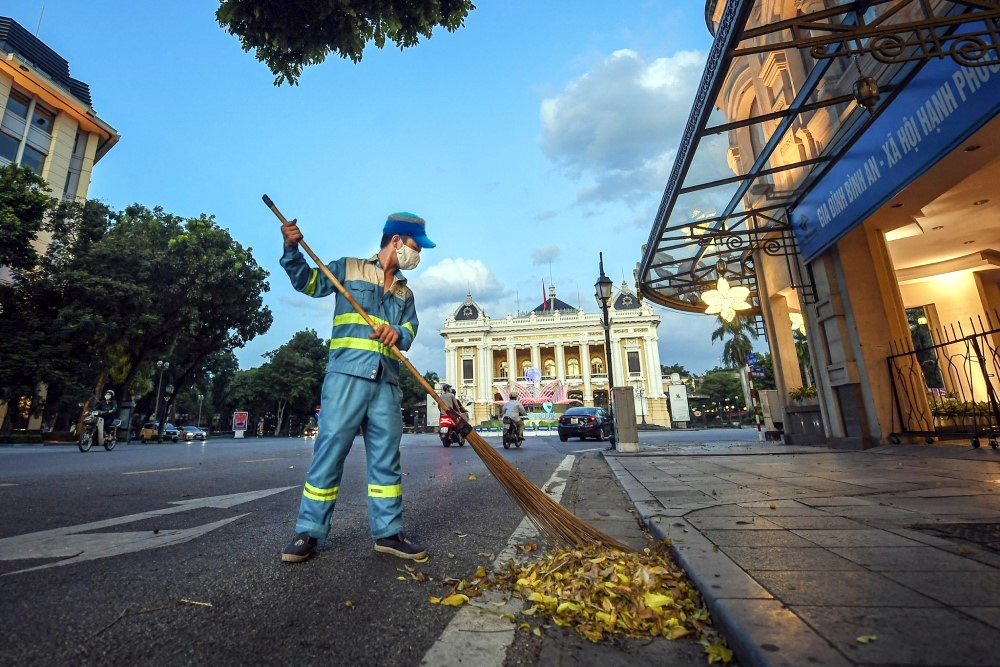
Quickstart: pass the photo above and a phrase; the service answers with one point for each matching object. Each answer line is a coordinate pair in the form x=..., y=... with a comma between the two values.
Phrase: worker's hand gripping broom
x=549, y=517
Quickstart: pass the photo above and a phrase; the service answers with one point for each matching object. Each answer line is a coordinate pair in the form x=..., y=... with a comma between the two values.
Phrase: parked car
x=189, y=433
x=310, y=432
x=150, y=430
x=584, y=422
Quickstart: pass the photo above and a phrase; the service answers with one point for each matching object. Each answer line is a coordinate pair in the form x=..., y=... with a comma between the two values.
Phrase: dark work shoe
x=303, y=547
x=397, y=545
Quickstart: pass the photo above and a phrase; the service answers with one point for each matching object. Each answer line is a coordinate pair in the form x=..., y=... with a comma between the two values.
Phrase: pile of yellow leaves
x=600, y=591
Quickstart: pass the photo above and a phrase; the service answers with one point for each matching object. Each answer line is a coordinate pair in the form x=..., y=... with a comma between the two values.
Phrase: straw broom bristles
x=549, y=517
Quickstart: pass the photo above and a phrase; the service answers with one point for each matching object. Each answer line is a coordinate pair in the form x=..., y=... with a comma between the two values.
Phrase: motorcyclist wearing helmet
x=514, y=409
x=107, y=412
x=449, y=398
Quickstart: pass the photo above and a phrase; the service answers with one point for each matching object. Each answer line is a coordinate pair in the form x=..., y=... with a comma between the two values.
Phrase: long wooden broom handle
x=361, y=311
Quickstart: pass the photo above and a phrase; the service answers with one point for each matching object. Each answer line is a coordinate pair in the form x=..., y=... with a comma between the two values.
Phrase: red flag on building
x=545, y=298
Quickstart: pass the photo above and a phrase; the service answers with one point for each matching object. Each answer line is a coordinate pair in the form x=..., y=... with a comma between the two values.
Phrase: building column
x=588, y=389
x=511, y=364
x=561, y=362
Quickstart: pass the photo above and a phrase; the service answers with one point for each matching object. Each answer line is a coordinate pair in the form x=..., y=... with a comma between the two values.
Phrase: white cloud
x=619, y=125
x=545, y=255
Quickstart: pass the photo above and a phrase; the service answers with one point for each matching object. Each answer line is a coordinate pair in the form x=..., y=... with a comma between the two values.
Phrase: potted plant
x=803, y=395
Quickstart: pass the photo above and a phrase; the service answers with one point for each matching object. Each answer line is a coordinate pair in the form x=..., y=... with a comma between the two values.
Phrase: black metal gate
x=945, y=383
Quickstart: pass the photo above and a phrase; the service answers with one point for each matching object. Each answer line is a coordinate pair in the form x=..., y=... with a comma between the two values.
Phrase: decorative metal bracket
x=908, y=30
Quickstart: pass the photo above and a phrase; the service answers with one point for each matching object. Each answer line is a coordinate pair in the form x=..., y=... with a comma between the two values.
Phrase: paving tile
x=772, y=635
x=756, y=538
x=869, y=537
x=988, y=615
x=837, y=501
x=787, y=558
x=910, y=559
x=817, y=523
x=975, y=589
x=856, y=588
x=733, y=523
x=723, y=510
x=912, y=636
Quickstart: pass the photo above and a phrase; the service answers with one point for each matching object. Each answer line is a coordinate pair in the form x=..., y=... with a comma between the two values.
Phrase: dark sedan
x=584, y=423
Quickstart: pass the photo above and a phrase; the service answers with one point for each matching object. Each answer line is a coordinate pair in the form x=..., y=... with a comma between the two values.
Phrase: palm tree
x=739, y=333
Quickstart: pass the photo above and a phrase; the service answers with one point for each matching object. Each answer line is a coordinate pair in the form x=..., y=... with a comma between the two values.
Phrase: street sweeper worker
x=515, y=410
x=361, y=385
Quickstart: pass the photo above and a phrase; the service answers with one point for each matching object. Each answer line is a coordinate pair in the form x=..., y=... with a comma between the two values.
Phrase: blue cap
x=407, y=224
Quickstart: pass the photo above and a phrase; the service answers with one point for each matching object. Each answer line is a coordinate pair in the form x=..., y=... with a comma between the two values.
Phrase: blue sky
x=530, y=140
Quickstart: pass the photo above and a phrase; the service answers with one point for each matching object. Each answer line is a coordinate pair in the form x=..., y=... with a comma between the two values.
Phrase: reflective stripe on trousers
x=348, y=403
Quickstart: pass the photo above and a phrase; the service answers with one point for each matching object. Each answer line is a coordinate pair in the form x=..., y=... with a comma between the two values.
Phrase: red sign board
x=240, y=420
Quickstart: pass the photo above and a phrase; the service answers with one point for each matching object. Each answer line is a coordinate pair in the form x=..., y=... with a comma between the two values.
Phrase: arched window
x=597, y=365
x=550, y=368
x=573, y=366
x=502, y=369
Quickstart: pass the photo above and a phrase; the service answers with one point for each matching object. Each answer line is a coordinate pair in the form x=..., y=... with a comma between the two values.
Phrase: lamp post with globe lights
x=602, y=292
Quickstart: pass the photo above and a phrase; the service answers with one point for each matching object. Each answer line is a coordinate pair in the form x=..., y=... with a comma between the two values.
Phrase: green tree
x=738, y=336
x=287, y=35
x=293, y=376
x=721, y=387
x=25, y=203
x=414, y=395
x=675, y=368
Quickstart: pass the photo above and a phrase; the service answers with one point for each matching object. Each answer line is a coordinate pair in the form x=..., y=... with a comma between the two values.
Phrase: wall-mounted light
x=798, y=322
x=726, y=300
x=866, y=91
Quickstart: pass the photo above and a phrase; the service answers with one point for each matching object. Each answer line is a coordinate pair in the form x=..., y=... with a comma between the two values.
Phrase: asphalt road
x=168, y=554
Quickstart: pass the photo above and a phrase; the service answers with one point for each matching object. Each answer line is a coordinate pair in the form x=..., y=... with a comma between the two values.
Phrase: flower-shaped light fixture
x=726, y=300
x=798, y=322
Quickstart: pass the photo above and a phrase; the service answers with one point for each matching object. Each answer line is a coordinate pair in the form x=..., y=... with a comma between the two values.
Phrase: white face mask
x=408, y=257
x=107, y=397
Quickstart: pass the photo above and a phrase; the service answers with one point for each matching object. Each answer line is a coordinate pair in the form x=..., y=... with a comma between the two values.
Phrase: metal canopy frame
x=688, y=250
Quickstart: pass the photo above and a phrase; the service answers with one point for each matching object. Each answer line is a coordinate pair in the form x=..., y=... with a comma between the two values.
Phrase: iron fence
x=945, y=383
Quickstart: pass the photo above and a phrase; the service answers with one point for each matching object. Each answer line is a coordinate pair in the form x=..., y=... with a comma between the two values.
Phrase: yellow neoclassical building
x=554, y=354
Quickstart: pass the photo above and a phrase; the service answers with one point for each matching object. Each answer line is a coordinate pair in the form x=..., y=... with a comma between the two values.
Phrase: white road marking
x=71, y=544
x=146, y=472
x=8, y=484
x=478, y=635
x=276, y=458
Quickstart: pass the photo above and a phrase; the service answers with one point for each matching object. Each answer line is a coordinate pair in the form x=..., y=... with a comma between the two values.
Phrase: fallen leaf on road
x=864, y=639
x=472, y=478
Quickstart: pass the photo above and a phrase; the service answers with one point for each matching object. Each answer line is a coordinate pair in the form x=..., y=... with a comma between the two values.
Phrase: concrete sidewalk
x=816, y=556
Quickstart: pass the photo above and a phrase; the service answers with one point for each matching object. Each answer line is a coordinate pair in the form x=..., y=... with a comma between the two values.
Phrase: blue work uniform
x=360, y=390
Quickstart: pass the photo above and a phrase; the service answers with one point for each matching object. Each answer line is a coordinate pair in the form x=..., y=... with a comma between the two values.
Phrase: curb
x=760, y=629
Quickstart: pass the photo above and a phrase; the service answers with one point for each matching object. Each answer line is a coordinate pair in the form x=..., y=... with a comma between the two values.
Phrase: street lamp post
x=160, y=366
x=642, y=405
x=603, y=295
x=200, y=398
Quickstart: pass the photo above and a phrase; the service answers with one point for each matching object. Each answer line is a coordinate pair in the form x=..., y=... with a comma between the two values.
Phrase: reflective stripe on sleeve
x=376, y=491
x=320, y=495
x=409, y=327
x=310, y=287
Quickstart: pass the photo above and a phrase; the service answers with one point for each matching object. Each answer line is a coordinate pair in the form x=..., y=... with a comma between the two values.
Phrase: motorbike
x=449, y=434
x=89, y=433
x=510, y=433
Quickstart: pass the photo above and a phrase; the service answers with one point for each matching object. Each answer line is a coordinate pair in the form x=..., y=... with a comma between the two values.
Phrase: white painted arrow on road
x=73, y=546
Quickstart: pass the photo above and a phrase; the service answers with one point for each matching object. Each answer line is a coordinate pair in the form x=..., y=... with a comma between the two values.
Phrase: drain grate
x=985, y=535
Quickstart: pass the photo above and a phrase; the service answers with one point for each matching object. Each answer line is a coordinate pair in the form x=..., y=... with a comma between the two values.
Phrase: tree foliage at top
x=287, y=35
